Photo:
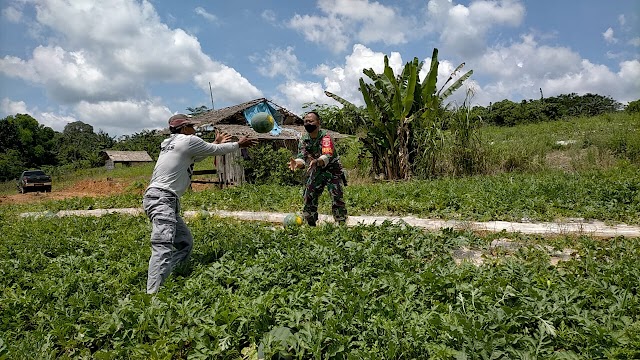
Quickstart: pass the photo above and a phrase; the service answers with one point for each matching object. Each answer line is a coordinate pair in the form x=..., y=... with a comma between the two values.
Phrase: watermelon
x=292, y=220
x=262, y=122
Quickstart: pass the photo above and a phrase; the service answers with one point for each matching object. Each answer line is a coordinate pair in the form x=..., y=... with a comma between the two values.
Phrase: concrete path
x=576, y=227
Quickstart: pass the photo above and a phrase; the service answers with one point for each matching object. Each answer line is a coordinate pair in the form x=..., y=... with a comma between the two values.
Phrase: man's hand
x=245, y=142
x=222, y=137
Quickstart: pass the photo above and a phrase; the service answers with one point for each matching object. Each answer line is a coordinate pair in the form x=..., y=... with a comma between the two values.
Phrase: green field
x=74, y=287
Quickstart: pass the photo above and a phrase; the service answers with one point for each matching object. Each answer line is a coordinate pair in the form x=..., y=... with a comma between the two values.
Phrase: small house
x=126, y=158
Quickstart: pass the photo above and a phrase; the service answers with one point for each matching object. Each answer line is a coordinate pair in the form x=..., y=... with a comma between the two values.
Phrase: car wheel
x=21, y=190
x=47, y=189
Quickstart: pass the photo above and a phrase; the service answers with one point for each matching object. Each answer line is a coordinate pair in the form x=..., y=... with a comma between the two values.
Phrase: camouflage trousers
x=312, y=191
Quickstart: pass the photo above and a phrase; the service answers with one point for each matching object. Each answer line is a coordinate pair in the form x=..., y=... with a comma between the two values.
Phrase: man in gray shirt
x=171, y=240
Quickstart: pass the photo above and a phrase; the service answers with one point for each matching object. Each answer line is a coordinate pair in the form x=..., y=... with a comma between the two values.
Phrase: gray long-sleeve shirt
x=175, y=164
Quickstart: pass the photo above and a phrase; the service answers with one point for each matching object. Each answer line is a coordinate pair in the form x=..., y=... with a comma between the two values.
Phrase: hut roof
x=289, y=132
x=234, y=114
x=127, y=156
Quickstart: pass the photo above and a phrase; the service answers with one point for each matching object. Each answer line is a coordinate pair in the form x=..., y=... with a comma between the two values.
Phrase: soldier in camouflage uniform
x=317, y=152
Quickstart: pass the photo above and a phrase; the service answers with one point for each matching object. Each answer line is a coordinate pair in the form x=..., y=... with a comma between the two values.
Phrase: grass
x=611, y=195
x=591, y=143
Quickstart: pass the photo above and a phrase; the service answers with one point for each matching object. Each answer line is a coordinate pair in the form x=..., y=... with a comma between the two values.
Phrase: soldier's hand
x=312, y=166
x=293, y=165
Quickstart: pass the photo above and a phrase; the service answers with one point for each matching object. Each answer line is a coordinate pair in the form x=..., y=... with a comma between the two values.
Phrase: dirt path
x=591, y=228
x=107, y=187
x=88, y=188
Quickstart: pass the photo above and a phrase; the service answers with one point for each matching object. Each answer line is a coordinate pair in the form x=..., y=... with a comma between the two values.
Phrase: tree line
x=27, y=144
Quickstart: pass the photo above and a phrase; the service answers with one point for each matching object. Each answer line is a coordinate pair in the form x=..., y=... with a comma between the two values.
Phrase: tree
x=633, y=107
x=395, y=107
x=198, y=110
x=23, y=138
x=334, y=118
x=147, y=140
x=11, y=164
x=80, y=146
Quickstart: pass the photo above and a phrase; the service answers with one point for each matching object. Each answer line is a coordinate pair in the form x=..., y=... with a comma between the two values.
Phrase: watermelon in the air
x=262, y=122
x=292, y=220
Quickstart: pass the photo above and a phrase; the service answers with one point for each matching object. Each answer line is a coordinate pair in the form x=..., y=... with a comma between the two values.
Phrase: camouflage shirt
x=323, y=147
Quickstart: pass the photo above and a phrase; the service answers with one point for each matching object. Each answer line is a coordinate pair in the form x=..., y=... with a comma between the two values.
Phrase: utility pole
x=211, y=93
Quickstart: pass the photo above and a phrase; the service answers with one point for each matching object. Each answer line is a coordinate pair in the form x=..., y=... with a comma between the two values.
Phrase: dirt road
x=107, y=187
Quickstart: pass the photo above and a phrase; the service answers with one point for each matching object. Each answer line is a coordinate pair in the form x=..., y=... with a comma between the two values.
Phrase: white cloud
x=269, y=16
x=342, y=80
x=609, y=36
x=327, y=31
x=297, y=93
x=347, y=20
x=113, y=117
x=49, y=119
x=622, y=20
x=227, y=85
x=124, y=40
x=70, y=76
x=10, y=107
x=55, y=121
x=635, y=41
x=12, y=14
x=112, y=51
x=123, y=117
x=598, y=79
x=463, y=30
x=377, y=23
x=208, y=16
x=557, y=70
x=278, y=62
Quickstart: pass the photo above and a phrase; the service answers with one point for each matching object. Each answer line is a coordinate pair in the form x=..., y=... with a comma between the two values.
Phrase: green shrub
x=354, y=158
x=633, y=107
x=266, y=165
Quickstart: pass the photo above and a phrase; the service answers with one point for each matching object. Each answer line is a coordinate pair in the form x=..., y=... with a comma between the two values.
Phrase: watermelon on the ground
x=292, y=220
x=262, y=122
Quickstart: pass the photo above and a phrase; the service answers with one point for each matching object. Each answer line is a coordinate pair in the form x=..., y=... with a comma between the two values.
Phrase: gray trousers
x=171, y=240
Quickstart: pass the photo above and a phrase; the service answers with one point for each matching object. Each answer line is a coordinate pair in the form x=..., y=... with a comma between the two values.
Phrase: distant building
x=112, y=157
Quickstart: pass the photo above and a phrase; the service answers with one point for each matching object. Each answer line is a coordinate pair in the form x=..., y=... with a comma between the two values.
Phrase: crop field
x=73, y=287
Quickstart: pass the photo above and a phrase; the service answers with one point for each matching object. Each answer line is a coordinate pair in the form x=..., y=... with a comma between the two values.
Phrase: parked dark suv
x=34, y=180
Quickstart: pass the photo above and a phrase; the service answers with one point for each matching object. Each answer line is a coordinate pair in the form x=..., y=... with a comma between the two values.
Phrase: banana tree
x=392, y=104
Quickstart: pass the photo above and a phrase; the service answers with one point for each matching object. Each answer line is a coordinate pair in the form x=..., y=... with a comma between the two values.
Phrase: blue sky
x=127, y=65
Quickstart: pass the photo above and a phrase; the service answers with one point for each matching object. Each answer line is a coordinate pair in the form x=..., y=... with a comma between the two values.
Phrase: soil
x=83, y=188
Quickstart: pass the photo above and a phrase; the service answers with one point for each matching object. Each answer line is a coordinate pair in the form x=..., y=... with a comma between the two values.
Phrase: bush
x=354, y=158
x=633, y=107
x=266, y=165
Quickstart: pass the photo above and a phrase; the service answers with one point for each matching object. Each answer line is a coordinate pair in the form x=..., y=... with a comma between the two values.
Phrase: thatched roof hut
x=112, y=157
x=234, y=115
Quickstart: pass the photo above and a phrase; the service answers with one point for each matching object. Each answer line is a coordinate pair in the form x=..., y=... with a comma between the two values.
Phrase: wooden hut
x=127, y=158
x=233, y=120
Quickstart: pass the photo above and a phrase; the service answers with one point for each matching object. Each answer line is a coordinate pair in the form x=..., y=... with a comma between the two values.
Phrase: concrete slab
x=573, y=226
